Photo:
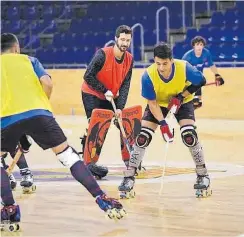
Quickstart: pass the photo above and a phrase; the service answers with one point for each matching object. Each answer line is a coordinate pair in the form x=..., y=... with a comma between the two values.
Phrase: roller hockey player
x=200, y=57
x=166, y=84
x=27, y=180
x=27, y=110
x=108, y=76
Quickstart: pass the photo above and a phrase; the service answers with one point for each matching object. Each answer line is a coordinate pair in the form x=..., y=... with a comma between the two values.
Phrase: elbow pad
x=194, y=88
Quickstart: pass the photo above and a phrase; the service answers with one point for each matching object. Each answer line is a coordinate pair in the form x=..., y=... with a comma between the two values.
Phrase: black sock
x=22, y=164
x=84, y=176
x=6, y=192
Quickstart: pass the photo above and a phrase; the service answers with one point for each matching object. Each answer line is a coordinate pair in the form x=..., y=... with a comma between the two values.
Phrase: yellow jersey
x=155, y=87
x=21, y=90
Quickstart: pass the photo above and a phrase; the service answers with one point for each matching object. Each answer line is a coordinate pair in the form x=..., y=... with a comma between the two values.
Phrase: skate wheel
x=203, y=193
x=33, y=188
x=13, y=227
x=127, y=195
x=28, y=190
x=122, y=212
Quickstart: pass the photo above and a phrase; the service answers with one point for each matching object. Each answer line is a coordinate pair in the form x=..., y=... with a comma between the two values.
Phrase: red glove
x=176, y=101
x=167, y=133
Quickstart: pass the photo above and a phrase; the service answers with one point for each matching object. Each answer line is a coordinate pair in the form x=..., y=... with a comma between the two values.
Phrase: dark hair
x=162, y=51
x=197, y=40
x=7, y=41
x=123, y=29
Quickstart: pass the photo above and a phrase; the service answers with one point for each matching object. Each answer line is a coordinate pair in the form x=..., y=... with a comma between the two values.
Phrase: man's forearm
x=214, y=69
x=156, y=110
x=48, y=90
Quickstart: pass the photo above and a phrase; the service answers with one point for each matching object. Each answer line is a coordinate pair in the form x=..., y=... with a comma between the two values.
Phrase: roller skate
x=112, y=208
x=27, y=183
x=13, y=182
x=126, y=188
x=10, y=218
x=97, y=171
x=140, y=172
x=202, y=186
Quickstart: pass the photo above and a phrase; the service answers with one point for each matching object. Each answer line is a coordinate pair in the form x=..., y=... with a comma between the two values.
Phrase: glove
x=219, y=80
x=176, y=101
x=197, y=103
x=167, y=133
x=112, y=207
x=109, y=95
x=25, y=143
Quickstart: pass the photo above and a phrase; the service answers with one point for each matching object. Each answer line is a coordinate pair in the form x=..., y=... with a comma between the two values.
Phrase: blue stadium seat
x=13, y=13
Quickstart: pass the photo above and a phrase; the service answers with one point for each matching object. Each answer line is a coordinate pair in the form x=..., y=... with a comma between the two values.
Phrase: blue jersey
x=205, y=60
x=6, y=121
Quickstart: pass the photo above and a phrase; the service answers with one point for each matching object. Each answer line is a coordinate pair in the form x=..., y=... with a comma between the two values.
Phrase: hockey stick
x=169, y=117
x=15, y=160
x=121, y=128
x=210, y=84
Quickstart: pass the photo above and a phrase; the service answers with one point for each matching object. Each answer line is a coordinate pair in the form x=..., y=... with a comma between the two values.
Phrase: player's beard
x=121, y=48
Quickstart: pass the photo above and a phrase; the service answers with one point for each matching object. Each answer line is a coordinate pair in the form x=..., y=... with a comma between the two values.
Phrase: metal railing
x=157, y=23
x=223, y=64
x=142, y=39
x=109, y=43
x=193, y=5
x=183, y=15
x=31, y=41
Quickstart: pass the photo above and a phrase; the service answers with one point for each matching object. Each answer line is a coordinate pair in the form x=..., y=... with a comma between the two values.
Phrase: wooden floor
x=64, y=208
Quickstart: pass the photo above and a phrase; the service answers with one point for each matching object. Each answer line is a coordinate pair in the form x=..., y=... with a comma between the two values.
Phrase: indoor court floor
x=62, y=207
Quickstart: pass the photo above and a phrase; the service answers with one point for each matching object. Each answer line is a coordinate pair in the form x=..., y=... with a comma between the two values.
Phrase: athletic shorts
x=186, y=111
x=91, y=102
x=44, y=130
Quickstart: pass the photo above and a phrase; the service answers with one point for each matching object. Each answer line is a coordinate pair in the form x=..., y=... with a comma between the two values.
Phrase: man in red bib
x=108, y=76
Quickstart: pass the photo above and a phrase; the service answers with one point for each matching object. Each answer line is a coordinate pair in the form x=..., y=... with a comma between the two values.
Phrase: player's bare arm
x=155, y=110
x=47, y=85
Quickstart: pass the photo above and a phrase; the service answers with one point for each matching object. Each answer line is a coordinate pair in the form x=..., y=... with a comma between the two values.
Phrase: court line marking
x=231, y=170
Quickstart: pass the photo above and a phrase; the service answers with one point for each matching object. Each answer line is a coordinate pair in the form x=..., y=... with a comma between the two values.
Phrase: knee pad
x=189, y=135
x=144, y=138
x=68, y=157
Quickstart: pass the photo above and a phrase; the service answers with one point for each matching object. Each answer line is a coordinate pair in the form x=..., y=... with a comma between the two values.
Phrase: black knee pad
x=189, y=135
x=144, y=138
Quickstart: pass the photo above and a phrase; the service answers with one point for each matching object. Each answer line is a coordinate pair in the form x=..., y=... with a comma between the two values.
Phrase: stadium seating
x=77, y=29
x=224, y=35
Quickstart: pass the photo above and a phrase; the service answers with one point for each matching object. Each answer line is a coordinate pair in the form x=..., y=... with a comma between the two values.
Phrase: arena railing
x=157, y=23
x=136, y=65
x=142, y=39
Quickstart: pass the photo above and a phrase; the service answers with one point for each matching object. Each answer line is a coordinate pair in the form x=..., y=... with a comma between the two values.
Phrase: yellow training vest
x=21, y=90
x=165, y=91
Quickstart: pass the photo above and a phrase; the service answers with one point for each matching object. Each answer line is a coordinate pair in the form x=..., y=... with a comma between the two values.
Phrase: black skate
x=13, y=182
x=27, y=184
x=10, y=218
x=113, y=208
x=202, y=186
x=126, y=188
x=97, y=171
